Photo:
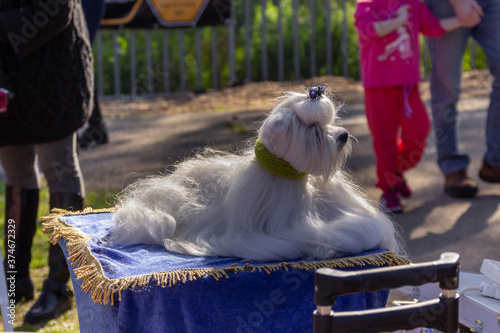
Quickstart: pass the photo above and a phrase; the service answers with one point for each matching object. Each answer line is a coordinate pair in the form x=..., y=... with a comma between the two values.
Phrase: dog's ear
x=275, y=132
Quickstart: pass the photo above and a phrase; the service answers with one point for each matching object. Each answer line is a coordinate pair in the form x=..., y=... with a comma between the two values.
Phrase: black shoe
x=459, y=185
x=52, y=303
x=93, y=135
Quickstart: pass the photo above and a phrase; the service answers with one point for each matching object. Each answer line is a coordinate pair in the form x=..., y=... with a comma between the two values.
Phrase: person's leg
x=96, y=131
x=382, y=116
x=446, y=56
x=445, y=92
x=94, y=12
x=487, y=34
x=19, y=164
x=414, y=132
x=95, y=119
x=21, y=210
x=382, y=107
x=60, y=165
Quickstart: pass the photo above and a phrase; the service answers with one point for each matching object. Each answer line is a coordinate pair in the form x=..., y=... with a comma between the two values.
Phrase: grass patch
x=38, y=266
x=220, y=109
x=237, y=128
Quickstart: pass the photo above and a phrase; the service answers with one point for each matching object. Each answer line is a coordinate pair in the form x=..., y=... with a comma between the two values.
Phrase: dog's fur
x=221, y=204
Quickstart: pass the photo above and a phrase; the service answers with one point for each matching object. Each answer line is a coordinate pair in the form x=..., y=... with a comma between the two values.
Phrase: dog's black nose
x=343, y=137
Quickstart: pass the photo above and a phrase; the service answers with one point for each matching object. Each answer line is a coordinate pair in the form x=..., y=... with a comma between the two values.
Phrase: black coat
x=46, y=61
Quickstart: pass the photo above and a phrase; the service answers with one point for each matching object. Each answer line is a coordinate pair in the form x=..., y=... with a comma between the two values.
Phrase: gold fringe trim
x=102, y=289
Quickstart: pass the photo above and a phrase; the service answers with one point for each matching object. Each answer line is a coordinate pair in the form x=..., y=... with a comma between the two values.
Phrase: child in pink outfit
x=388, y=37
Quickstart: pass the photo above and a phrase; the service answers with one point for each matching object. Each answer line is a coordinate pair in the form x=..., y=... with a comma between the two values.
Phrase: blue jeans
x=447, y=55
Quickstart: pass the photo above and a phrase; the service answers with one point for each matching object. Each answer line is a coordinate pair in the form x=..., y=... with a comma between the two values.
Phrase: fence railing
x=262, y=40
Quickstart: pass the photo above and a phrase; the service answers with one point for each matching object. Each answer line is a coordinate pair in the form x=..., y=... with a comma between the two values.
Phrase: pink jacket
x=395, y=58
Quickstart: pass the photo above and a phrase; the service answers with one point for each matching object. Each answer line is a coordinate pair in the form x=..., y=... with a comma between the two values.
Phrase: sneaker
x=390, y=201
x=404, y=190
x=459, y=185
x=489, y=173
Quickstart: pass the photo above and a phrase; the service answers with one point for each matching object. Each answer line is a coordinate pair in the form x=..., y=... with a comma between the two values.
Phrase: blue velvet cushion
x=144, y=288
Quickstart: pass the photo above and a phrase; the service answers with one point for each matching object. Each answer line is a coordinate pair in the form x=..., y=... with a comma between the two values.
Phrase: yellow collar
x=275, y=165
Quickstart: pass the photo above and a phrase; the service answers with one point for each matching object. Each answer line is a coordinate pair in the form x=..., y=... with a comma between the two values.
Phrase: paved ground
x=433, y=223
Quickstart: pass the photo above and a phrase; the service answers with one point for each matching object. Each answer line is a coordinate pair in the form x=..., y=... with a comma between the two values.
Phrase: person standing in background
x=46, y=64
x=96, y=132
x=447, y=57
x=388, y=37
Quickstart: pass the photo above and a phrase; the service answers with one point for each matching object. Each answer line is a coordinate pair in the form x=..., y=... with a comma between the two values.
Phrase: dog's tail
x=142, y=217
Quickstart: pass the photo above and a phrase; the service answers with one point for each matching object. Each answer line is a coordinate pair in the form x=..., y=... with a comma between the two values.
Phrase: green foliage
x=178, y=38
x=474, y=52
x=238, y=128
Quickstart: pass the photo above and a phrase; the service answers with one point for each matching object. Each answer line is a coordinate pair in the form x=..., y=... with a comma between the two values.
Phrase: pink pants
x=399, y=125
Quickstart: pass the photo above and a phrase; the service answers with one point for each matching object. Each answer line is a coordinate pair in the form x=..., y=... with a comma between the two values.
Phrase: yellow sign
x=178, y=10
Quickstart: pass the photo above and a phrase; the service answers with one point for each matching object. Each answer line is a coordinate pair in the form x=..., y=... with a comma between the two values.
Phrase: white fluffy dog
x=284, y=199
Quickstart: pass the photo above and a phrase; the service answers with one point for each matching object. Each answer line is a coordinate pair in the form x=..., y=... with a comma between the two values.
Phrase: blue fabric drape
x=244, y=301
